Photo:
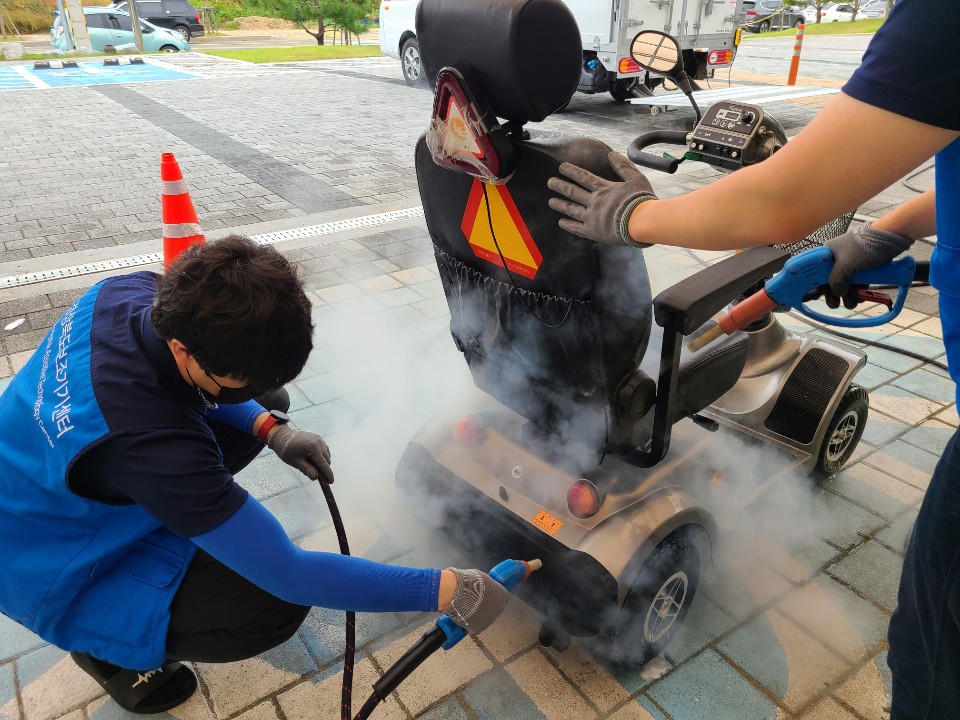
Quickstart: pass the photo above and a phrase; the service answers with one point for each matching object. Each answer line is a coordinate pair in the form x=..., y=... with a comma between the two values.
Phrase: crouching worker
x=124, y=536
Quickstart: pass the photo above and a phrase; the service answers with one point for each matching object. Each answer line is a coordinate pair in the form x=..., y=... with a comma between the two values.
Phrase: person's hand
x=306, y=451
x=599, y=209
x=862, y=248
x=478, y=601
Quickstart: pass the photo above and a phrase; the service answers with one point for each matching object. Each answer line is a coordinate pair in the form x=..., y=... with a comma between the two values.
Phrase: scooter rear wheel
x=657, y=602
x=843, y=433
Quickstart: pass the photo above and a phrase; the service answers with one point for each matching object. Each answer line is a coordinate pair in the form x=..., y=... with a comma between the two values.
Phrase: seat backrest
x=551, y=325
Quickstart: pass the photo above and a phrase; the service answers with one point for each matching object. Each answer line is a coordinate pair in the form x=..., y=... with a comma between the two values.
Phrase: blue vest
x=81, y=574
x=945, y=263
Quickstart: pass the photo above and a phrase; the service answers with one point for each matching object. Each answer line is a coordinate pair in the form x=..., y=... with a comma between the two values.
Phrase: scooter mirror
x=657, y=52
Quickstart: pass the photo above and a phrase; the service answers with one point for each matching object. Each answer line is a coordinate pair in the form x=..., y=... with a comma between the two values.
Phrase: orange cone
x=181, y=227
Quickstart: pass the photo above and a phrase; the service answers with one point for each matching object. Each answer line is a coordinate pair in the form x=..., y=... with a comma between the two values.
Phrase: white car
x=831, y=12
x=398, y=37
x=873, y=10
x=837, y=13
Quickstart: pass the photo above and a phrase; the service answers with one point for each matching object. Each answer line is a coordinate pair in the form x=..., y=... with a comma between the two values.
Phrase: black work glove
x=479, y=600
x=306, y=451
x=862, y=248
x=599, y=209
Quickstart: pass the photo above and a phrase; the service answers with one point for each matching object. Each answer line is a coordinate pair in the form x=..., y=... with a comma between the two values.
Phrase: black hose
x=346, y=695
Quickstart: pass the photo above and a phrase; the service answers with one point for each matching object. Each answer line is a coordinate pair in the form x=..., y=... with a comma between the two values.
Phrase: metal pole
x=135, y=22
x=795, y=62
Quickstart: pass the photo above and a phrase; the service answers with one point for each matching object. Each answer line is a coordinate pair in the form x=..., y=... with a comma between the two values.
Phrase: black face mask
x=226, y=395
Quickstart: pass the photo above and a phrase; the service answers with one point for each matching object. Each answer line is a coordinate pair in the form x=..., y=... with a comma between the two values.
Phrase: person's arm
x=916, y=218
x=848, y=154
x=246, y=416
x=253, y=544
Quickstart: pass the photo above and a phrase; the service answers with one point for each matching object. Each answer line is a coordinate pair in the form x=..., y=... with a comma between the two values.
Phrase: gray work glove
x=862, y=248
x=599, y=209
x=306, y=451
x=479, y=600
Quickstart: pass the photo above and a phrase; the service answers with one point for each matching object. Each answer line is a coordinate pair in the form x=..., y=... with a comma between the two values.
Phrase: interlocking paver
x=869, y=690
x=828, y=709
x=875, y=490
x=708, y=688
x=873, y=571
x=906, y=462
x=552, y=693
x=51, y=684
x=495, y=695
x=9, y=706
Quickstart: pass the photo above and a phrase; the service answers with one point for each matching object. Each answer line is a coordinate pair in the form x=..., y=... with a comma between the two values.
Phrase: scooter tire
x=673, y=569
x=843, y=433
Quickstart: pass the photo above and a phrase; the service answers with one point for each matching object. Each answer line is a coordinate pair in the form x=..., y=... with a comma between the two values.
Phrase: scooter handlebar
x=656, y=162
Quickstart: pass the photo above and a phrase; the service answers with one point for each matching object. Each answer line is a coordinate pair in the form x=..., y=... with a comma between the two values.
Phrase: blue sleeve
x=241, y=416
x=254, y=544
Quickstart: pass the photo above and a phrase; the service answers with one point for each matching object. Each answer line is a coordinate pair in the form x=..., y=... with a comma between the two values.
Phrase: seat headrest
x=523, y=55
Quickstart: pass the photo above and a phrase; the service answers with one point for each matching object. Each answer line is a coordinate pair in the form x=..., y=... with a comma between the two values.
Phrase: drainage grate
x=330, y=228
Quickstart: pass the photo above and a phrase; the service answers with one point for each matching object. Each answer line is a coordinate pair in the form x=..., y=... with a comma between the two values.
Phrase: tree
x=345, y=15
x=818, y=5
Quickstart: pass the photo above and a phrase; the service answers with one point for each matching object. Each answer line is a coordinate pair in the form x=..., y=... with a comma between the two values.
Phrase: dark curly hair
x=239, y=308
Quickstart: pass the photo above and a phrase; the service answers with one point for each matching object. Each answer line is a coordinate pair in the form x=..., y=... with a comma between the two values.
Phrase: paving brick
x=837, y=617
x=495, y=695
x=15, y=639
x=875, y=490
x=873, y=571
x=51, y=684
x=9, y=706
x=869, y=690
x=828, y=709
x=515, y=631
x=263, y=711
x=708, y=688
x=639, y=709
x=549, y=690
x=196, y=708
x=268, y=476
x=237, y=685
x=932, y=435
x=319, y=696
x=903, y=405
x=439, y=675
x=896, y=535
x=450, y=710
x=905, y=462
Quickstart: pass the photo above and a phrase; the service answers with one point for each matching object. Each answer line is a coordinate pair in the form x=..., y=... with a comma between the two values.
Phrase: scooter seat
x=704, y=375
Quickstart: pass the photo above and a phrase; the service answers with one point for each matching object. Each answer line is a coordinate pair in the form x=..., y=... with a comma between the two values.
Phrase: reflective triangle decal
x=513, y=239
x=459, y=139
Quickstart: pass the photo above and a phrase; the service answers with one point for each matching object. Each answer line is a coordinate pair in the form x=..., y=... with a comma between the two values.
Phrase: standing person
x=900, y=108
x=124, y=536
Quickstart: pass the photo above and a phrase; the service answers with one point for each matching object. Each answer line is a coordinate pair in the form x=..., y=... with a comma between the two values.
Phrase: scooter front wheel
x=843, y=433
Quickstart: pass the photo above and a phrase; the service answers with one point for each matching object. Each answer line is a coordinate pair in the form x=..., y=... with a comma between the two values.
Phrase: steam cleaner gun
x=803, y=278
x=445, y=634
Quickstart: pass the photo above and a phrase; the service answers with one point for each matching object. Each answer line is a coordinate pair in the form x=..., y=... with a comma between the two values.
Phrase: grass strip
x=299, y=53
x=857, y=27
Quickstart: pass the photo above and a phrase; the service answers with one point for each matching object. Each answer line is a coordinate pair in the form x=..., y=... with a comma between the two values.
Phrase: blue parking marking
x=91, y=73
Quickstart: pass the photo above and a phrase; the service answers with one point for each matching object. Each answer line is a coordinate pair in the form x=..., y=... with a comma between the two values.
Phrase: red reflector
x=459, y=136
x=198, y=18
x=751, y=12
x=719, y=57
x=628, y=65
x=469, y=431
x=583, y=499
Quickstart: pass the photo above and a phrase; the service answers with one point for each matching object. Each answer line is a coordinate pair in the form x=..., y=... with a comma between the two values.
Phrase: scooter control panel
x=731, y=135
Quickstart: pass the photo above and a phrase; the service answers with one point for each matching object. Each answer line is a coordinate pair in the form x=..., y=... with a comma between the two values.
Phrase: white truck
x=708, y=31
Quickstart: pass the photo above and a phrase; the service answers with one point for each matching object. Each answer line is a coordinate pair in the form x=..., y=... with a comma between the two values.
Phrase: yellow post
x=795, y=62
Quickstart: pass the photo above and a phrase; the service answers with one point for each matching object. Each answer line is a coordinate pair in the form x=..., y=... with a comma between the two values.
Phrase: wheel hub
x=841, y=436
x=666, y=606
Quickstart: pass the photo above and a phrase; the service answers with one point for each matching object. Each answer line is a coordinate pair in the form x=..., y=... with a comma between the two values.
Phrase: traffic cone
x=181, y=227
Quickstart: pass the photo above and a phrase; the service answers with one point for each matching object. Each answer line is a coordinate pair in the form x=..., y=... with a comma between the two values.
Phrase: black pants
x=218, y=615
x=924, y=653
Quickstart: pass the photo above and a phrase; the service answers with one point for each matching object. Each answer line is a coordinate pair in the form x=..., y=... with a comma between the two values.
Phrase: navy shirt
x=175, y=474
x=912, y=65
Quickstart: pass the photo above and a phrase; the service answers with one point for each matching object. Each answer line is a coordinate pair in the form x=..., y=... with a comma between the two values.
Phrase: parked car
x=761, y=15
x=398, y=37
x=178, y=15
x=108, y=26
x=873, y=10
x=831, y=12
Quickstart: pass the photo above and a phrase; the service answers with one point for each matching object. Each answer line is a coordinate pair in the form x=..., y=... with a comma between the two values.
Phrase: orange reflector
x=720, y=57
x=469, y=431
x=583, y=499
x=628, y=65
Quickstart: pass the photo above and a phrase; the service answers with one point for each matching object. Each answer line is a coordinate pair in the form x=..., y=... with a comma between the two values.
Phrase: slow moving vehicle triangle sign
x=499, y=230
x=459, y=139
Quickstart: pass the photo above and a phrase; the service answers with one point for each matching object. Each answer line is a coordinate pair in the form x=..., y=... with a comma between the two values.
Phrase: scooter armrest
x=699, y=297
